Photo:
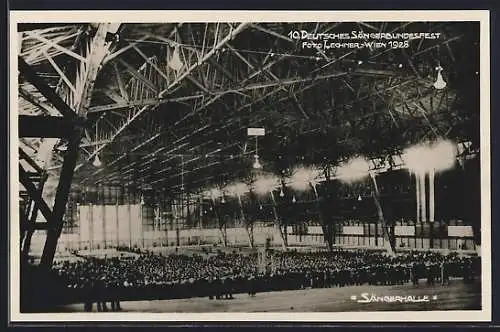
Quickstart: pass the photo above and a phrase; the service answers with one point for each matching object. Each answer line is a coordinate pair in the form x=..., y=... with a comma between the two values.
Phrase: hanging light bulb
x=256, y=163
x=293, y=199
x=211, y=208
x=142, y=199
x=223, y=200
x=97, y=162
x=359, y=198
x=282, y=194
x=260, y=207
x=439, y=84
x=175, y=61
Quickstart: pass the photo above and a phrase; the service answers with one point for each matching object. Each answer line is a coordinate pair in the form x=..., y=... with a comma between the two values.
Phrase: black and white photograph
x=236, y=166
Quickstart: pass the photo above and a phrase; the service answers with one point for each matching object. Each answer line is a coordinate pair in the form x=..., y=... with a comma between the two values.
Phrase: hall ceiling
x=160, y=123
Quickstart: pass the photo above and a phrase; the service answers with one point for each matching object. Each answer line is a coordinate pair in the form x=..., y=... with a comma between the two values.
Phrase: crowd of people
x=220, y=275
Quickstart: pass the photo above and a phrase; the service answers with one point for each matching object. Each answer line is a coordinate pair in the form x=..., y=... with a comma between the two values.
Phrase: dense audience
x=219, y=275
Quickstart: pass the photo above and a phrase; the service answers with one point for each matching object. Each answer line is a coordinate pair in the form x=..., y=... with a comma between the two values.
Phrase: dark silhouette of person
x=101, y=293
x=88, y=295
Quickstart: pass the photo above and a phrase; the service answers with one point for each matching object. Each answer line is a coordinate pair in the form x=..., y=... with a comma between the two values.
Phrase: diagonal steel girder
x=230, y=36
x=273, y=83
x=86, y=75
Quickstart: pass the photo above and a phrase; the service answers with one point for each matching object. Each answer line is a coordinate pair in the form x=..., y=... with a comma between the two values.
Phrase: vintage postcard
x=250, y=166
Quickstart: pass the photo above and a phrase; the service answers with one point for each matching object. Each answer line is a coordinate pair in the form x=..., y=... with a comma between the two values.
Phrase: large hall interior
x=163, y=154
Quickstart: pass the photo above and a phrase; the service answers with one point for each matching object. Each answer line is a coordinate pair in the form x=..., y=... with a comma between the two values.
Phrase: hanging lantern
x=293, y=199
x=97, y=162
x=142, y=199
x=175, y=61
x=440, y=83
x=282, y=194
x=256, y=163
x=359, y=198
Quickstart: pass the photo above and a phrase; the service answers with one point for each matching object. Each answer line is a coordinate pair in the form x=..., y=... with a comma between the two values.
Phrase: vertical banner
x=417, y=192
x=83, y=211
x=110, y=225
x=432, y=201
x=98, y=226
x=123, y=226
x=136, y=225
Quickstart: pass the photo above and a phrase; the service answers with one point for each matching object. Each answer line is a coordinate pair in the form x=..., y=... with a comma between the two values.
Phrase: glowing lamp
x=353, y=170
x=215, y=193
x=440, y=83
x=444, y=154
x=417, y=158
x=256, y=163
x=237, y=189
x=438, y=156
x=303, y=178
x=175, y=61
x=265, y=184
x=97, y=162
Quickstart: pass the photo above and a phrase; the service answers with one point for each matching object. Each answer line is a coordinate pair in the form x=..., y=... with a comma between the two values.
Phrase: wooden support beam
x=272, y=33
x=30, y=75
x=207, y=56
x=138, y=75
x=32, y=224
x=35, y=194
x=60, y=72
x=376, y=198
x=56, y=46
x=116, y=97
x=98, y=48
x=181, y=77
x=121, y=85
x=45, y=126
x=141, y=103
x=151, y=63
x=25, y=27
x=24, y=156
x=40, y=226
x=44, y=107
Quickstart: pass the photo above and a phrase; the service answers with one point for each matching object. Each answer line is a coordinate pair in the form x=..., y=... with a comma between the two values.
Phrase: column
x=417, y=191
x=129, y=221
x=423, y=204
x=91, y=226
x=431, y=196
x=117, y=223
x=78, y=219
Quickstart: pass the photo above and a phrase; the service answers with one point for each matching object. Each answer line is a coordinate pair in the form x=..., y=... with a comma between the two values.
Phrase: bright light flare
x=303, y=177
x=353, y=170
x=237, y=189
x=417, y=158
x=439, y=156
x=444, y=154
x=265, y=184
x=215, y=193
